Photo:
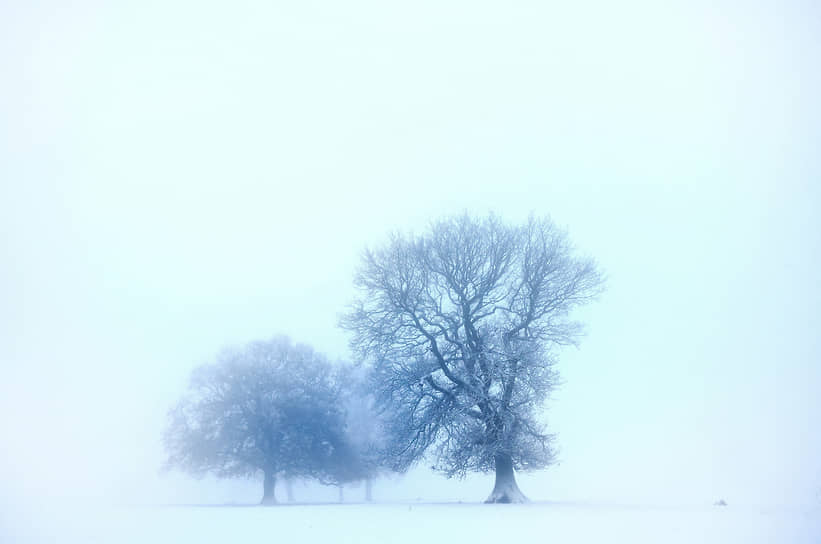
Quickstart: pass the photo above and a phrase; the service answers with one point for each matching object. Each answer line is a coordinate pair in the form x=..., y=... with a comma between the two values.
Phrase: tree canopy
x=462, y=326
x=271, y=407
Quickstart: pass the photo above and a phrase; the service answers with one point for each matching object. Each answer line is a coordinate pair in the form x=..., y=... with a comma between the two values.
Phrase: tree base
x=505, y=491
x=508, y=495
x=269, y=497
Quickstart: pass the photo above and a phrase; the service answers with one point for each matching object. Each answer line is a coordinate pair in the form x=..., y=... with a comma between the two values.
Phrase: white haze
x=178, y=177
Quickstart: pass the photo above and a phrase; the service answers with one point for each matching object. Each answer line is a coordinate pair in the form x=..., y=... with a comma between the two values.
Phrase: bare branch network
x=461, y=324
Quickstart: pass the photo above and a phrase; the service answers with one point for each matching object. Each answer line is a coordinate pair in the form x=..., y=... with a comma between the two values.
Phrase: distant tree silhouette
x=270, y=408
x=364, y=431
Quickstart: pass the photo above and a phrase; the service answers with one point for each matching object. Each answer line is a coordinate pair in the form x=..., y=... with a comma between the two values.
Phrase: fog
x=179, y=178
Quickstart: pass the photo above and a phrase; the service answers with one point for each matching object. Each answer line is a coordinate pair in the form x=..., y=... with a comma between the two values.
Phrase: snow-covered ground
x=414, y=523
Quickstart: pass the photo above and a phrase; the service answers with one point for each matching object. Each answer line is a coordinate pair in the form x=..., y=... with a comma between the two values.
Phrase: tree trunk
x=505, y=490
x=368, y=488
x=341, y=494
x=289, y=489
x=268, y=495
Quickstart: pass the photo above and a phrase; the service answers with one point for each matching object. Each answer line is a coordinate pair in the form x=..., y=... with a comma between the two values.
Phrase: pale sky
x=175, y=178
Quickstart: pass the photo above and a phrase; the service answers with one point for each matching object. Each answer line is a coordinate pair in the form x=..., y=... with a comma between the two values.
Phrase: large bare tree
x=461, y=324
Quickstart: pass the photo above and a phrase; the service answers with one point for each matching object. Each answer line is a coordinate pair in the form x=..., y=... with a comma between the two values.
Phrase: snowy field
x=417, y=523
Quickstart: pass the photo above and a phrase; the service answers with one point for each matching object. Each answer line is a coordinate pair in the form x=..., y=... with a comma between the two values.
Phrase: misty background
x=179, y=177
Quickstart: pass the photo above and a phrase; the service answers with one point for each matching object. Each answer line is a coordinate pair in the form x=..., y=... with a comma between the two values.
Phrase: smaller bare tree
x=363, y=424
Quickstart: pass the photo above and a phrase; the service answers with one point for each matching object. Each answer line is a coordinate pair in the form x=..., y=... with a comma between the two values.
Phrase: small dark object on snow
x=720, y=503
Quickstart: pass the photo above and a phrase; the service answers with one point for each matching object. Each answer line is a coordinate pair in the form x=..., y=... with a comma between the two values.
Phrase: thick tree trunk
x=269, y=485
x=368, y=488
x=505, y=490
x=289, y=489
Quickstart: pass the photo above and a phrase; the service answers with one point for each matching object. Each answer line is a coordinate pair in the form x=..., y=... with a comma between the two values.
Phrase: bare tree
x=363, y=424
x=272, y=408
x=462, y=325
